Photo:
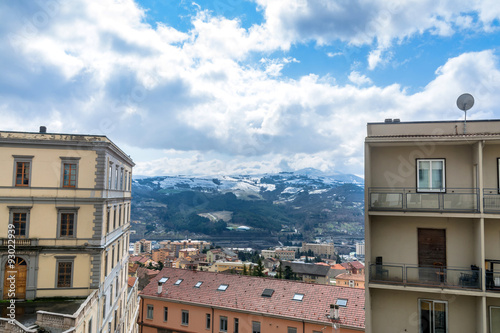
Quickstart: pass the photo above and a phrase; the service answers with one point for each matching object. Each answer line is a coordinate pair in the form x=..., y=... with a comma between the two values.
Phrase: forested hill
x=305, y=203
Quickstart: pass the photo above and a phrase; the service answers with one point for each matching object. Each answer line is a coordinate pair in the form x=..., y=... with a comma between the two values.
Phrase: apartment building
x=432, y=224
x=180, y=300
x=324, y=250
x=66, y=199
x=175, y=246
x=278, y=253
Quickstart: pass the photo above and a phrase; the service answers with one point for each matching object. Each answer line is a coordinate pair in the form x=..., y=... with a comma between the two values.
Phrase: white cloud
x=96, y=67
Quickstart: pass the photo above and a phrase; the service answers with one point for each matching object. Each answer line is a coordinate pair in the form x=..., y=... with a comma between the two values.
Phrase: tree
x=259, y=269
x=339, y=259
x=279, y=272
x=245, y=271
x=289, y=274
x=160, y=265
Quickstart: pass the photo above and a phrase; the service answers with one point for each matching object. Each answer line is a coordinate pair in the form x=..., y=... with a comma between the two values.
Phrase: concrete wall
x=396, y=239
x=397, y=311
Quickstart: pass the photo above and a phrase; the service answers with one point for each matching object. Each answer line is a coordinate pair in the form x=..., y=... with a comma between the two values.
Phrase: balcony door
x=432, y=254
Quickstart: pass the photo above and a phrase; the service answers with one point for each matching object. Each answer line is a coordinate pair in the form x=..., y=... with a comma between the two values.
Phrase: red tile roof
x=131, y=281
x=349, y=276
x=245, y=293
x=357, y=264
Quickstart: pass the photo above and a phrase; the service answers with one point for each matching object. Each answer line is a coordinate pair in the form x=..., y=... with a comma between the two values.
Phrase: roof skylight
x=163, y=280
x=198, y=284
x=341, y=302
x=223, y=287
x=298, y=297
x=178, y=282
x=268, y=292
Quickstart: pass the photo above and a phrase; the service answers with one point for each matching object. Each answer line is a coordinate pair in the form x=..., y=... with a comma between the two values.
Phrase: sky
x=226, y=87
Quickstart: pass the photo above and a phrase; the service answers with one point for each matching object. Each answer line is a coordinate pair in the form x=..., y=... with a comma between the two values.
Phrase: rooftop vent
x=43, y=129
x=396, y=120
x=388, y=120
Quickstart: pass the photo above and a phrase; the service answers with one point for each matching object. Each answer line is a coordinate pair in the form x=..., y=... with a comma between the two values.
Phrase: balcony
x=409, y=199
x=19, y=242
x=491, y=200
x=437, y=277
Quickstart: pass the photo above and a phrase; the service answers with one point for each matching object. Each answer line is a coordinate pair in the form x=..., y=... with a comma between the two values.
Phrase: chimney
x=160, y=286
x=334, y=311
x=43, y=129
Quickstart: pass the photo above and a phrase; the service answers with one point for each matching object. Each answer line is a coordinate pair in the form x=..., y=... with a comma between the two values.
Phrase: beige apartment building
x=278, y=253
x=65, y=199
x=324, y=250
x=432, y=224
x=175, y=246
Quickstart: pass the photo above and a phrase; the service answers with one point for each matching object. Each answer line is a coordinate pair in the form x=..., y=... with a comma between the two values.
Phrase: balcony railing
x=493, y=281
x=491, y=200
x=440, y=277
x=19, y=242
x=410, y=199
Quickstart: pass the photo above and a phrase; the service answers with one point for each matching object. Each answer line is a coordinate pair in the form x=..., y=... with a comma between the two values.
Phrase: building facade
x=432, y=224
x=324, y=250
x=175, y=246
x=65, y=204
x=188, y=301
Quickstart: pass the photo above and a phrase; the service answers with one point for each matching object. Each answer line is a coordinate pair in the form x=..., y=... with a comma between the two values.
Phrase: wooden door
x=19, y=270
x=431, y=247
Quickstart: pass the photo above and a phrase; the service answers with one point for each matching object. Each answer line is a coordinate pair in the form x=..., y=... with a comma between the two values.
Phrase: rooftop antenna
x=464, y=103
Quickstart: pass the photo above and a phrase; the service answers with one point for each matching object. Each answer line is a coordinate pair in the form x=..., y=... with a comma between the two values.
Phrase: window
x=185, y=317
x=198, y=284
x=116, y=178
x=223, y=324
x=298, y=297
x=431, y=175
x=268, y=292
x=351, y=283
x=69, y=167
x=107, y=219
x=223, y=287
x=64, y=273
x=433, y=316
x=66, y=224
x=236, y=325
x=494, y=319
x=341, y=302
x=165, y=313
x=110, y=175
x=255, y=326
x=207, y=321
x=119, y=215
x=106, y=265
x=292, y=330
x=121, y=179
x=149, y=314
x=178, y=282
x=22, y=170
x=114, y=218
x=19, y=218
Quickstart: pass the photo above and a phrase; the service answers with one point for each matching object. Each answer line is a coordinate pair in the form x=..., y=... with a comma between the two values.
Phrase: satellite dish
x=464, y=103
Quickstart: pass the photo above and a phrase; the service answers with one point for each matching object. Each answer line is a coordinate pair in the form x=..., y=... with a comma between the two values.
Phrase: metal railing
x=493, y=281
x=411, y=275
x=411, y=199
x=491, y=200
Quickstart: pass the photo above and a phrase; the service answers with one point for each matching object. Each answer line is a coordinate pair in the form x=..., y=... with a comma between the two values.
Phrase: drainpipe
x=213, y=320
x=142, y=315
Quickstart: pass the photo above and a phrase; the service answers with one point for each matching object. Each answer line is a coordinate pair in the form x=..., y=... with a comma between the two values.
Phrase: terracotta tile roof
x=337, y=266
x=309, y=269
x=131, y=281
x=357, y=264
x=349, y=276
x=244, y=293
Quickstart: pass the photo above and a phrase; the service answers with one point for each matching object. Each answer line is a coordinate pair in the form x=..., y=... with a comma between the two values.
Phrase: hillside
x=290, y=206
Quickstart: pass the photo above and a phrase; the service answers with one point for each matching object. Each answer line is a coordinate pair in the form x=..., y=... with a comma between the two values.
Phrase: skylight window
x=298, y=297
x=198, y=284
x=341, y=302
x=178, y=282
x=223, y=287
x=163, y=280
x=268, y=292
